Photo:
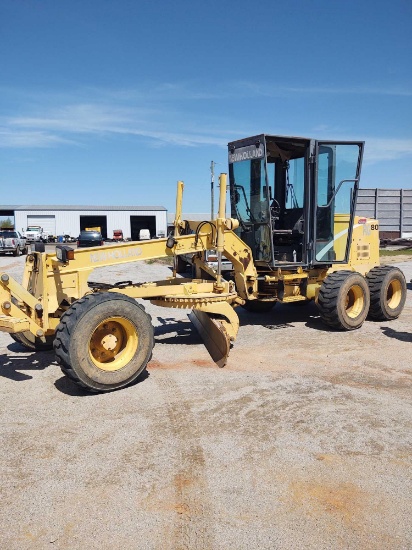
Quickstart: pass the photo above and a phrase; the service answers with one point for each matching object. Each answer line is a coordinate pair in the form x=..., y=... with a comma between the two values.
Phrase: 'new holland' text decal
x=250, y=152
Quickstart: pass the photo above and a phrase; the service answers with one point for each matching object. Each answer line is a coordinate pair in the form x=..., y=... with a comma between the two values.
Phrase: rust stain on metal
x=245, y=260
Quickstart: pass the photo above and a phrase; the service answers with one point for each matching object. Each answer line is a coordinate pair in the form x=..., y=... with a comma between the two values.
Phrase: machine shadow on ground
x=284, y=315
x=176, y=331
x=11, y=365
x=70, y=388
x=398, y=335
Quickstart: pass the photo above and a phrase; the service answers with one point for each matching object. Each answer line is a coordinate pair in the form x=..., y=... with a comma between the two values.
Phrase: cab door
x=337, y=173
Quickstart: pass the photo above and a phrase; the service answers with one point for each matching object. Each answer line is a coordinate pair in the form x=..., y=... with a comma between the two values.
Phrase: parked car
x=89, y=238
x=118, y=235
x=144, y=235
x=12, y=241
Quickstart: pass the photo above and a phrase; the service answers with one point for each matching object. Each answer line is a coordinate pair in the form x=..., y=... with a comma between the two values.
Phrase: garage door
x=48, y=223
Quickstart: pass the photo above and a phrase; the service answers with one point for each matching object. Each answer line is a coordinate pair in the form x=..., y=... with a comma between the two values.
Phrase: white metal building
x=70, y=220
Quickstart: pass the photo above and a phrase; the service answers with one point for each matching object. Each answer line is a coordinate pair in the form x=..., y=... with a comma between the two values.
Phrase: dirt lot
x=302, y=441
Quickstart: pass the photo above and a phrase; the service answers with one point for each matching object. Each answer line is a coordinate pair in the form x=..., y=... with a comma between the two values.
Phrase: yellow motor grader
x=292, y=236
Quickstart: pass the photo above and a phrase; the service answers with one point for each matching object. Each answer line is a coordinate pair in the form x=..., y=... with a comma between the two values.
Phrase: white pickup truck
x=12, y=241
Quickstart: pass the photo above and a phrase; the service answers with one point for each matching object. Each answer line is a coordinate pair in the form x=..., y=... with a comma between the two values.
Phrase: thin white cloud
x=355, y=90
x=80, y=118
x=380, y=149
x=195, y=90
x=100, y=120
x=30, y=139
x=59, y=118
x=273, y=90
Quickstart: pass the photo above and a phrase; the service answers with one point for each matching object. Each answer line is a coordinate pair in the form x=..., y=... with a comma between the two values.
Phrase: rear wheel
x=29, y=341
x=17, y=251
x=387, y=287
x=344, y=300
x=104, y=341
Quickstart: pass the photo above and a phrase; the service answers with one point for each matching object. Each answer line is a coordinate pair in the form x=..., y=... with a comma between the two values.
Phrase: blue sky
x=111, y=102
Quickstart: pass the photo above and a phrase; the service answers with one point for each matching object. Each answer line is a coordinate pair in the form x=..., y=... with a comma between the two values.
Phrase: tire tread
x=328, y=299
x=67, y=324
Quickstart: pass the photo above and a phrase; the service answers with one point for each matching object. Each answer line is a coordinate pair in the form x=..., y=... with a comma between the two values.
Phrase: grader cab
x=292, y=236
x=295, y=201
x=294, y=198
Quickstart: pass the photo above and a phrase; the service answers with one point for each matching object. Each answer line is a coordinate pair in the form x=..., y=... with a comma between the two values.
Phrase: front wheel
x=344, y=300
x=387, y=287
x=104, y=341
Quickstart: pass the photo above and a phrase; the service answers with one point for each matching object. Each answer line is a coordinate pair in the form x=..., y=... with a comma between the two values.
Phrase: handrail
x=335, y=193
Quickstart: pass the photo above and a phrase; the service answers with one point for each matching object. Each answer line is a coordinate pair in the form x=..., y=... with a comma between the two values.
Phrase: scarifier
x=292, y=237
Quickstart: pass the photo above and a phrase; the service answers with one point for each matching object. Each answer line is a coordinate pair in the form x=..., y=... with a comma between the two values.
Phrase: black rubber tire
x=17, y=251
x=83, y=320
x=388, y=290
x=344, y=300
x=259, y=306
x=31, y=342
x=24, y=251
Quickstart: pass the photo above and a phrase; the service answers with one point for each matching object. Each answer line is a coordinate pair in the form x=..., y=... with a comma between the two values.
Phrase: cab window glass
x=337, y=171
x=295, y=183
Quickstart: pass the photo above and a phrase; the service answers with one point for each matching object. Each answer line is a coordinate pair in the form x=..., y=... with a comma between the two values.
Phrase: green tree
x=6, y=224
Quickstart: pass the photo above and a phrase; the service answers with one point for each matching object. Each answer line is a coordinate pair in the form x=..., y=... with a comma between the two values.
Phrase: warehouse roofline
x=79, y=207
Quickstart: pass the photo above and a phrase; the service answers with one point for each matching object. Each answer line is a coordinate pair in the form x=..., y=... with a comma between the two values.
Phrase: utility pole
x=212, y=189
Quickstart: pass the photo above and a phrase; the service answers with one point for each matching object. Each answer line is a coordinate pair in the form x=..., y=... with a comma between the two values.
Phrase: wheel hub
x=394, y=294
x=354, y=301
x=113, y=343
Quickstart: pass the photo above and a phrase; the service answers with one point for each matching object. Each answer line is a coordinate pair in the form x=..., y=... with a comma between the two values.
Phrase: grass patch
x=399, y=252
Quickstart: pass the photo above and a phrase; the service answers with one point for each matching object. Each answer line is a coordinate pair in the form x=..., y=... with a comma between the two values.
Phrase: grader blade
x=214, y=335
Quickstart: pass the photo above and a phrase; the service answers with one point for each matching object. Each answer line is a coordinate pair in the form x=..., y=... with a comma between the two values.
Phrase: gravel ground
x=302, y=441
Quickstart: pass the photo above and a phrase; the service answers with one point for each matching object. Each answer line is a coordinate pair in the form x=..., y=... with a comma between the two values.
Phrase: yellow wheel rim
x=113, y=343
x=394, y=294
x=355, y=300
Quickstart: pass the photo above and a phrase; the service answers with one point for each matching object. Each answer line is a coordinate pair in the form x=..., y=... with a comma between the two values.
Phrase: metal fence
x=391, y=207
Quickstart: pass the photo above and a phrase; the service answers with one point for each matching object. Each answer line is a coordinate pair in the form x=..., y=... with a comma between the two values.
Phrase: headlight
x=64, y=253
